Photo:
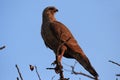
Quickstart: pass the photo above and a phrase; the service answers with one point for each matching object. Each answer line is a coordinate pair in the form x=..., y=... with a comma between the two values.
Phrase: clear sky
x=94, y=23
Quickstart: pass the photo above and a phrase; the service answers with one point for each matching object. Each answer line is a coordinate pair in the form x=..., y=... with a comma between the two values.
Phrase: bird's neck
x=49, y=18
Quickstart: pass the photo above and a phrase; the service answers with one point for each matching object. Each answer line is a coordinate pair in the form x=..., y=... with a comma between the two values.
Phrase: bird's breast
x=49, y=38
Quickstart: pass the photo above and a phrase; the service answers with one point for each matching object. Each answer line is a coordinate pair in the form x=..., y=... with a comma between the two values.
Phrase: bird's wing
x=62, y=33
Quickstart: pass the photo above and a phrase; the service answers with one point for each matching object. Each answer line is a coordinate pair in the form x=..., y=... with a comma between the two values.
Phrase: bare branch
x=2, y=47
x=114, y=62
x=61, y=75
x=19, y=72
x=50, y=68
x=37, y=73
x=78, y=73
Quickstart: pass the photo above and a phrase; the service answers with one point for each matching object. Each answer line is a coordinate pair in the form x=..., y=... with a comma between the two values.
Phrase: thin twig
x=114, y=62
x=118, y=75
x=19, y=72
x=61, y=75
x=2, y=47
x=37, y=73
x=80, y=73
x=53, y=77
x=50, y=68
x=17, y=78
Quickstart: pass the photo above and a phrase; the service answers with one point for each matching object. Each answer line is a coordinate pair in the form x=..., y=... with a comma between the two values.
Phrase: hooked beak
x=56, y=10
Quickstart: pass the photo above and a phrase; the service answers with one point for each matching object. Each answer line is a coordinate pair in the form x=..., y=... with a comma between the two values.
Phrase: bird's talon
x=54, y=63
x=58, y=68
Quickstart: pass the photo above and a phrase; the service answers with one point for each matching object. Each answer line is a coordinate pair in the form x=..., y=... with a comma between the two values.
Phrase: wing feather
x=60, y=31
x=63, y=34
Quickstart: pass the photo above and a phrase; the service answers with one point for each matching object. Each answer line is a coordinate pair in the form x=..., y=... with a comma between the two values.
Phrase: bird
x=59, y=38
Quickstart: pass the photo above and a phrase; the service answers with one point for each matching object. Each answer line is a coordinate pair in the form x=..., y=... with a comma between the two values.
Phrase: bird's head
x=49, y=12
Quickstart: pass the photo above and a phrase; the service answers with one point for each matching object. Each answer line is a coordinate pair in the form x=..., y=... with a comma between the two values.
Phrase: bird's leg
x=59, y=56
x=62, y=51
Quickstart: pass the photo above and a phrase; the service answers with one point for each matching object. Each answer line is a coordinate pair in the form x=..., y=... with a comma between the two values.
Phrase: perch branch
x=19, y=72
x=61, y=77
x=59, y=63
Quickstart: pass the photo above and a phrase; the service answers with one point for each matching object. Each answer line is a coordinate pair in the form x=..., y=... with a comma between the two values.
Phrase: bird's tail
x=83, y=60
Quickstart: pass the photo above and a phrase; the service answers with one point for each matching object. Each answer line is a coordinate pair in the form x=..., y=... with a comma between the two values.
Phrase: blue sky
x=94, y=23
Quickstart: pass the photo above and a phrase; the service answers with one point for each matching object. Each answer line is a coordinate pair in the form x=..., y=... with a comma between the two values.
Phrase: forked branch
x=79, y=73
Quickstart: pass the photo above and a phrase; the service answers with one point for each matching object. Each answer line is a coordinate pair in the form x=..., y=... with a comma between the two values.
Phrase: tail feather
x=83, y=60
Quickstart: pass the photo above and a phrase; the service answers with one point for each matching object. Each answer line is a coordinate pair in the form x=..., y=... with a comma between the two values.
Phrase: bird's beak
x=56, y=10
